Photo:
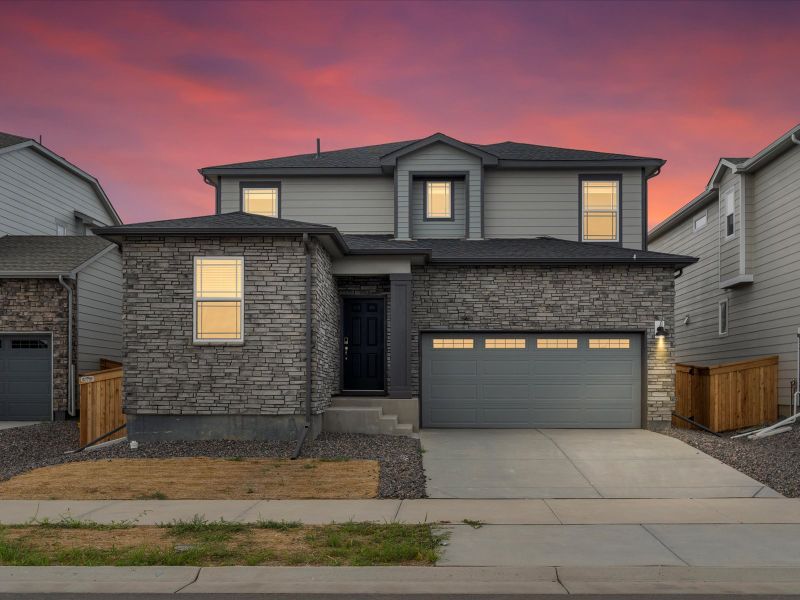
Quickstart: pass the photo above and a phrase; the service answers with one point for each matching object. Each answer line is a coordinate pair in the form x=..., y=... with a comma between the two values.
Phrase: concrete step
x=404, y=409
x=362, y=419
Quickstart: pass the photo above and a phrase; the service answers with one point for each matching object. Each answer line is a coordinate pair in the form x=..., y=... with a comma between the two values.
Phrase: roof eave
x=654, y=164
x=289, y=171
x=775, y=149
x=671, y=221
x=682, y=261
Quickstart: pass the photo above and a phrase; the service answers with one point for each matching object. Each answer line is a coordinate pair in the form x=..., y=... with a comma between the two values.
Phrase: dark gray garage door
x=25, y=378
x=531, y=380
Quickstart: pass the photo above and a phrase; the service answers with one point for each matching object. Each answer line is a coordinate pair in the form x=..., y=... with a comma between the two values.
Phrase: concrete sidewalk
x=591, y=511
x=399, y=580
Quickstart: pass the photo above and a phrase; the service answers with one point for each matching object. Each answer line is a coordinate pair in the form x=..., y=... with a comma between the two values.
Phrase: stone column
x=400, y=380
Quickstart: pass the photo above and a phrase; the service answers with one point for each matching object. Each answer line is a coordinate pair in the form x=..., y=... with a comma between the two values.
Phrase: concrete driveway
x=574, y=463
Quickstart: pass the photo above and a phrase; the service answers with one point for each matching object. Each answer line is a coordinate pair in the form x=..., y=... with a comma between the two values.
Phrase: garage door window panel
x=504, y=344
x=453, y=344
x=556, y=343
x=609, y=344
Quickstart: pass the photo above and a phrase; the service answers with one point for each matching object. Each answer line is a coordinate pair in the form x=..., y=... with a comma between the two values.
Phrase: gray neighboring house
x=741, y=299
x=425, y=283
x=52, y=267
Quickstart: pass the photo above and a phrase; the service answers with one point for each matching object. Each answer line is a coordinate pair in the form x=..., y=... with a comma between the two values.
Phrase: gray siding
x=438, y=229
x=99, y=311
x=438, y=158
x=764, y=316
x=352, y=204
x=729, y=247
x=535, y=203
x=35, y=193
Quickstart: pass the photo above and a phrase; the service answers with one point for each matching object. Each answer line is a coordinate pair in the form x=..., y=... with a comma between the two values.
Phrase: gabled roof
x=10, y=143
x=788, y=140
x=438, y=138
x=49, y=255
x=373, y=157
x=9, y=139
x=496, y=251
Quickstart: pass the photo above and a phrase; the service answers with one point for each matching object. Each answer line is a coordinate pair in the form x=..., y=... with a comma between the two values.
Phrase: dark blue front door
x=362, y=344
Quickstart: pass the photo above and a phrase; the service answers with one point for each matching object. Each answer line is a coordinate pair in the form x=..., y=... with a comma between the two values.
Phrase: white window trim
x=195, y=300
x=697, y=217
x=618, y=211
x=727, y=317
x=729, y=195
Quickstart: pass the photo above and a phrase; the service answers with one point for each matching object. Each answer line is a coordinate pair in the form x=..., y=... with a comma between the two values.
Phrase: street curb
x=401, y=580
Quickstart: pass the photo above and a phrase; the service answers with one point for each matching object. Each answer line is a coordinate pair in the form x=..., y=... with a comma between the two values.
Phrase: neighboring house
x=51, y=266
x=449, y=285
x=742, y=299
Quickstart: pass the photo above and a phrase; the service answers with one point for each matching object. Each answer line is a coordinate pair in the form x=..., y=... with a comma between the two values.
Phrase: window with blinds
x=218, y=299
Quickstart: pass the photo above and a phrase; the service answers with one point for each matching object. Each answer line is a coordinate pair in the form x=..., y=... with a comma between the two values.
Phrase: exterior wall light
x=661, y=329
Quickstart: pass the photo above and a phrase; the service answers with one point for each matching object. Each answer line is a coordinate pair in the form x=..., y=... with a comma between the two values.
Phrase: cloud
x=141, y=94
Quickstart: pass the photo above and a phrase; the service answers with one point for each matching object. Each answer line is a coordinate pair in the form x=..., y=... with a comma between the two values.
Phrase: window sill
x=217, y=343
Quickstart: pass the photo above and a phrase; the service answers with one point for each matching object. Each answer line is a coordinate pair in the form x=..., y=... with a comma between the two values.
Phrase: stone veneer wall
x=325, y=329
x=166, y=374
x=40, y=305
x=530, y=297
x=377, y=286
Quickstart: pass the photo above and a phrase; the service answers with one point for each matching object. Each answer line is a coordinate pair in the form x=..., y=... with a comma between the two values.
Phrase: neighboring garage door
x=25, y=378
x=531, y=380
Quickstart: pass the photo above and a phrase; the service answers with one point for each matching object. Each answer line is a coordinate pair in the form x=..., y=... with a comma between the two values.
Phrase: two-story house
x=429, y=283
x=60, y=286
x=741, y=299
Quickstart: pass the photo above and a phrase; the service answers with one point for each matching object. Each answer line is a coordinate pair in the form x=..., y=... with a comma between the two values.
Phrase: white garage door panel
x=581, y=387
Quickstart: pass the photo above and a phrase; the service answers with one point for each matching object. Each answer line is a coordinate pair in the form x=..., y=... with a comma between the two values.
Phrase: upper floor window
x=729, y=212
x=600, y=209
x=218, y=298
x=722, y=314
x=261, y=198
x=438, y=200
x=700, y=220
x=61, y=228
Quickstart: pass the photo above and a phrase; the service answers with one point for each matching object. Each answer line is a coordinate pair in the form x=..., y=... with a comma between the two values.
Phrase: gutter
x=307, y=427
x=70, y=366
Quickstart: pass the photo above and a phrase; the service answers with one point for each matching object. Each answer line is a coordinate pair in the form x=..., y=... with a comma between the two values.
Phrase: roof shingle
x=9, y=139
x=47, y=254
x=370, y=156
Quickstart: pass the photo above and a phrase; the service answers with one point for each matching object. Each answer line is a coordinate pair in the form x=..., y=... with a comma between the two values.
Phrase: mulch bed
x=774, y=461
x=400, y=458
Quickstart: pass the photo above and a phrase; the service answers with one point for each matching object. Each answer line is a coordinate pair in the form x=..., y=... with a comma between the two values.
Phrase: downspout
x=307, y=427
x=70, y=366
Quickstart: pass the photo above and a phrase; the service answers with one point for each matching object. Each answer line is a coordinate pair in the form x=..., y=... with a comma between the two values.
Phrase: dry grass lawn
x=203, y=543
x=197, y=479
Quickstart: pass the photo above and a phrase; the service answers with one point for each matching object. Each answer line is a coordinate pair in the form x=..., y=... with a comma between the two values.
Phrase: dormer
x=438, y=187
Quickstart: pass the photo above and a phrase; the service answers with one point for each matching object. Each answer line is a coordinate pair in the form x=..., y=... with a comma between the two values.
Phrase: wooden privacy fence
x=101, y=404
x=727, y=396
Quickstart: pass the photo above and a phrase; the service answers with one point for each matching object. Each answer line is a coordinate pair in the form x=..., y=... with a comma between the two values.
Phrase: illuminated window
x=611, y=344
x=261, y=200
x=600, y=205
x=506, y=343
x=438, y=199
x=453, y=343
x=218, y=305
x=556, y=343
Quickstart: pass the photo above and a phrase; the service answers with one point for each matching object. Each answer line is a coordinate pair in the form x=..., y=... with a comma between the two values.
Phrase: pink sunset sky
x=142, y=94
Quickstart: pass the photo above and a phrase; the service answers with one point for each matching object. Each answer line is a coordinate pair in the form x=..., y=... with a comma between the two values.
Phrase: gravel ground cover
x=401, y=475
x=774, y=461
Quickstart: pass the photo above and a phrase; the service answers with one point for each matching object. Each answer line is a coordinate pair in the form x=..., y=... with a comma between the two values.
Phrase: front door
x=362, y=344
